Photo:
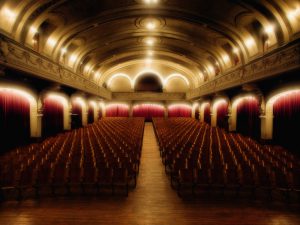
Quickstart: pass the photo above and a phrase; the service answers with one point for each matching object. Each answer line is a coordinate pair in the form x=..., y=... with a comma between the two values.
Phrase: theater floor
x=152, y=202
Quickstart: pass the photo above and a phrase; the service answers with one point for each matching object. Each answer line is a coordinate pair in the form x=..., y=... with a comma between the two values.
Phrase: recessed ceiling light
x=150, y=41
x=151, y=1
x=269, y=29
x=249, y=42
x=151, y=25
x=51, y=42
x=63, y=51
x=235, y=50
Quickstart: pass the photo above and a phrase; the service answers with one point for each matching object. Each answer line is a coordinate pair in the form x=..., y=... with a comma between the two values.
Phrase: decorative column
x=231, y=119
x=131, y=109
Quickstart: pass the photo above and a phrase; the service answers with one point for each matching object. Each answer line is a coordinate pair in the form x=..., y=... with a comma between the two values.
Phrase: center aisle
x=154, y=200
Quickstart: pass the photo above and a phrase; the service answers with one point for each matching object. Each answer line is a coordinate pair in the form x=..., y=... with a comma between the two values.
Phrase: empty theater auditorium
x=150, y=112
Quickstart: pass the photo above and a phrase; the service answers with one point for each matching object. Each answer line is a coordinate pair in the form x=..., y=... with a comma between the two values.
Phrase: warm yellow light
x=211, y=69
x=22, y=93
x=97, y=75
x=226, y=58
x=269, y=29
x=218, y=102
x=151, y=26
x=151, y=1
x=63, y=51
x=148, y=61
x=9, y=14
x=235, y=50
x=150, y=41
x=294, y=13
x=93, y=104
x=57, y=98
x=73, y=58
x=51, y=42
x=33, y=30
x=250, y=42
x=79, y=101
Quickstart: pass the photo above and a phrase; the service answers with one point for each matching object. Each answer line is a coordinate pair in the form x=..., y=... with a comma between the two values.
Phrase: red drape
x=91, y=115
x=117, y=110
x=76, y=115
x=207, y=116
x=287, y=121
x=248, y=122
x=179, y=111
x=148, y=111
x=53, y=117
x=222, y=112
x=14, y=120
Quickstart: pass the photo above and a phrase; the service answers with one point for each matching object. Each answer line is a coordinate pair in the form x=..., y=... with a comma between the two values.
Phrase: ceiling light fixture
x=73, y=58
x=150, y=41
x=51, y=42
x=249, y=42
x=235, y=50
x=151, y=1
x=269, y=29
x=151, y=25
x=63, y=51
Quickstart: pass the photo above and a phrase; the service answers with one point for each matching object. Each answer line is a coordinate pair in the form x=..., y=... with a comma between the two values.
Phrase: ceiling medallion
x=150, y=23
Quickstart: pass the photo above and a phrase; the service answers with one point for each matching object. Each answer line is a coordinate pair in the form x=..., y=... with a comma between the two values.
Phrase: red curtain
x=287, y=121
x=248, y=122
x=179, y=111
x=117, y=110
x=197, y=113
x=14, y=120
x=76, y=115
x=207, y=116
x=91, y=115
x=53, y=117
x=222, y=112
x=148, y=111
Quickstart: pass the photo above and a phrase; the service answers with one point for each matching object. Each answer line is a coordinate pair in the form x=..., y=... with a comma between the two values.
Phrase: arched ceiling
x=197, y=39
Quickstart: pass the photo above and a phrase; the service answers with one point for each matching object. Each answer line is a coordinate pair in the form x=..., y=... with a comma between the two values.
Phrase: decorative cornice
x=148, y=96
x=16, y=56
x=280, y=61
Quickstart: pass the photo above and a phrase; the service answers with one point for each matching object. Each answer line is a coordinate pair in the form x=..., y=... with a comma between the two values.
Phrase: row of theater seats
x=104, y=155
x=202, y=157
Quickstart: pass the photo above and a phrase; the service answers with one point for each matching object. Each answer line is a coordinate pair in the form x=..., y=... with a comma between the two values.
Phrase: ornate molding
x=16, y=56
x=280, y=61
x=148, y=96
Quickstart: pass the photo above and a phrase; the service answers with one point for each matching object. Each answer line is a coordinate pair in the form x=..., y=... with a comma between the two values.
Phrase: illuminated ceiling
x=195, y=39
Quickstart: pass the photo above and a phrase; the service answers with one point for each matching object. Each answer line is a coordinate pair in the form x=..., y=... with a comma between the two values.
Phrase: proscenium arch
x=148, y=71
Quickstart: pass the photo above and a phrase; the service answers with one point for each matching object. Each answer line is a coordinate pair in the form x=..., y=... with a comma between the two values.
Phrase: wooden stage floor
x=152, y=202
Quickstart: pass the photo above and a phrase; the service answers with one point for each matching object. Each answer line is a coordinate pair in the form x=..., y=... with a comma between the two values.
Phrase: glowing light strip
x=176, y=75
x=22, y=93
x=219, y=102
x=180, y=105
x=247, y=97
x=58, y=98
x=120, y=75
x=282, y=94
